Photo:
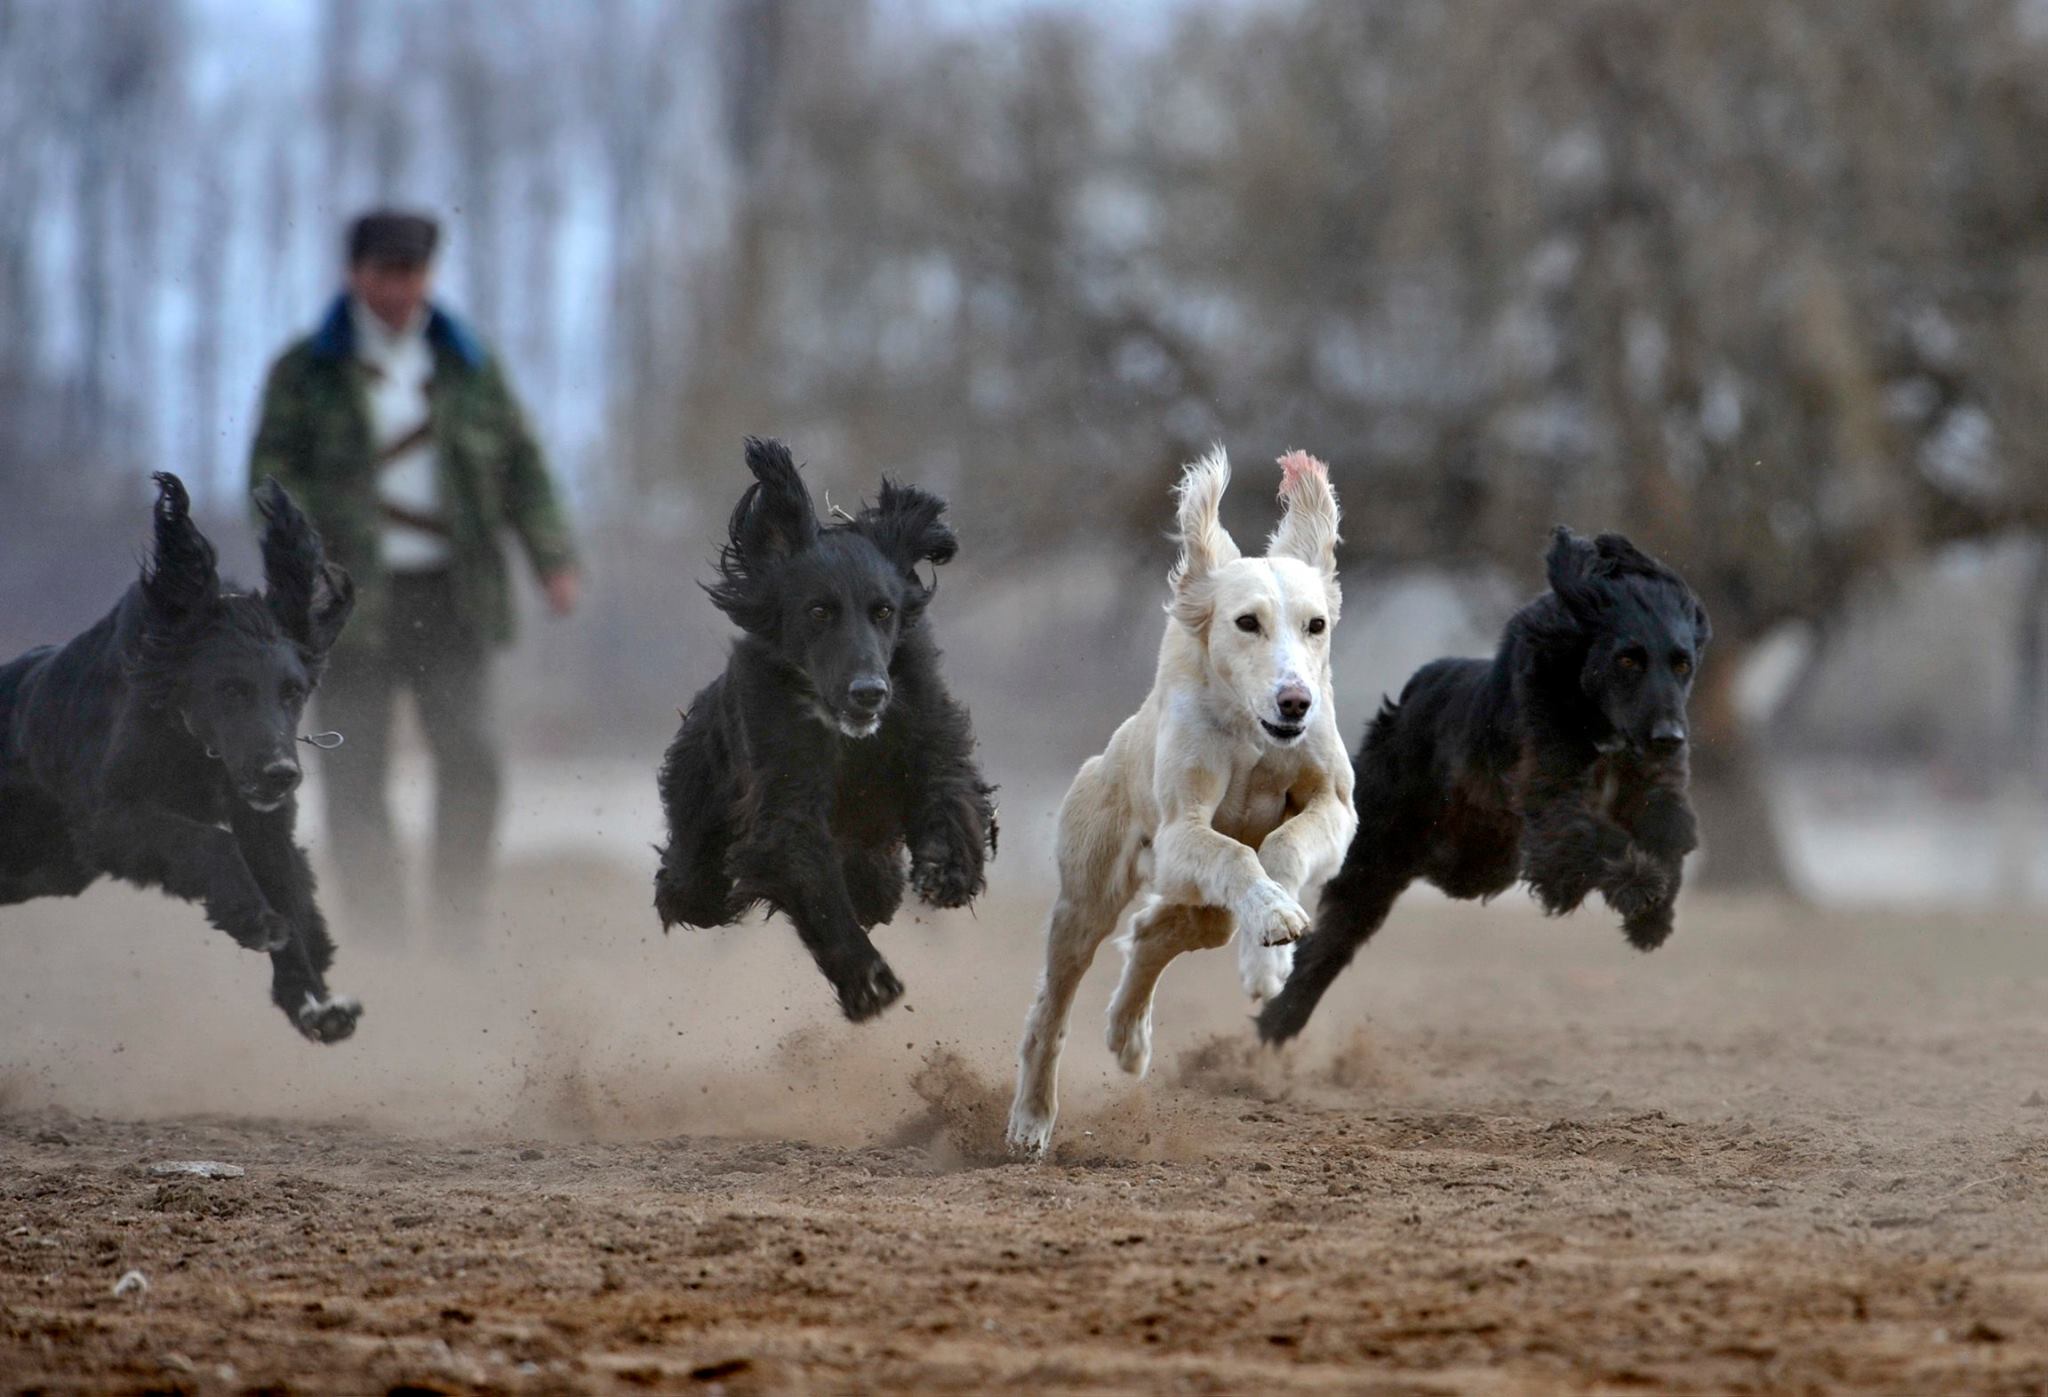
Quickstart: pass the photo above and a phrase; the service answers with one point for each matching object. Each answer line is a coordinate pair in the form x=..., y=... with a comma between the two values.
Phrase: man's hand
x=564, y=588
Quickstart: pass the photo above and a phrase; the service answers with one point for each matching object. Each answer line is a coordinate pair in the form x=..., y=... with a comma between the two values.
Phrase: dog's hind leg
x=1161, y=931
x=37, y=858
x=1078, y=927
x=692, y=887
x=1097, y=877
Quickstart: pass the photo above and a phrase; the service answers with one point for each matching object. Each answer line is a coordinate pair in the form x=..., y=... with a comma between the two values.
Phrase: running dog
x=1562, y=761
x=1223, y=797
x=830, y=742
x=158, y=747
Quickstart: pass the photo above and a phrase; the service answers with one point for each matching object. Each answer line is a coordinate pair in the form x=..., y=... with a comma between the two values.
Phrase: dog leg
x=1160, y=932
x=1354, y=905
x=1664, y=832
x=874, y=883
x=952, y=824
x=692, y=886
x=1077, y=929
x=298, y=983
x=186, y=859
x=789, y=861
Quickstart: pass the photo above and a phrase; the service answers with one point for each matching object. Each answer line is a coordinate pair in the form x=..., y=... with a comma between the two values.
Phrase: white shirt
x=401, y=364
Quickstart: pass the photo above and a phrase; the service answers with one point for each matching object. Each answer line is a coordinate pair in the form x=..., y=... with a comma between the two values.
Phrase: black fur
x=1561, y=761
x=770, y=796
x=159, y=747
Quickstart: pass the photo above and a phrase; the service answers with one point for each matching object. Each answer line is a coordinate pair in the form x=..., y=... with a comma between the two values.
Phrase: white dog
x=1220, y=799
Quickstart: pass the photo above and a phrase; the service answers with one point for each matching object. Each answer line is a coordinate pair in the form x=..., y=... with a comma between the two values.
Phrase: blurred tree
x=1747, y=281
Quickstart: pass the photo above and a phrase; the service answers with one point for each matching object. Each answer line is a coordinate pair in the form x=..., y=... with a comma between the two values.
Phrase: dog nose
x=1668, y=736
x=1294, y=701
x=281, y=777
x=868, y=695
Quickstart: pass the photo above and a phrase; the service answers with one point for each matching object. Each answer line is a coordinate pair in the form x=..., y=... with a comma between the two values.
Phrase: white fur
x=1195, y=805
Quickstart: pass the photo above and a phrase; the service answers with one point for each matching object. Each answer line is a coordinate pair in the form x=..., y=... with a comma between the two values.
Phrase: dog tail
x=1308, y=527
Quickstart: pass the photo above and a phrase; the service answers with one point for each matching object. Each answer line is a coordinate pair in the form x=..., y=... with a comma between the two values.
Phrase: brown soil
x=1792, y=1151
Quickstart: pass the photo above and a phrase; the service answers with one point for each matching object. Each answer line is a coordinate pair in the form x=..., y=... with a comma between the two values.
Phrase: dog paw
x=1280, y=1020
x=867, y=991
x=1559, y=896
x=1030, y=1133
x=1636, y=886
x=1264, y=973
x=328, y=1020
x=1270, y=916
x=1131, y=1042
x=944, y=876
x=1650, y=928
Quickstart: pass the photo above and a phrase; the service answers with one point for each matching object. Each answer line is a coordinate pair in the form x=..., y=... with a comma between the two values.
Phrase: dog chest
x=1255, y=805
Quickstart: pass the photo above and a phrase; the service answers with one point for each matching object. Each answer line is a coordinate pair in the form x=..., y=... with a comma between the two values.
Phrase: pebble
x=204, y=1168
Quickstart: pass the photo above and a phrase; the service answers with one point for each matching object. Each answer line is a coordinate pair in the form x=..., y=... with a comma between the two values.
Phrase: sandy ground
x=1793, y=1151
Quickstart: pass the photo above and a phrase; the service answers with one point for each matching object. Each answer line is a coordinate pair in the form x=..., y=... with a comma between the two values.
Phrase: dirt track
x=1789, y=1152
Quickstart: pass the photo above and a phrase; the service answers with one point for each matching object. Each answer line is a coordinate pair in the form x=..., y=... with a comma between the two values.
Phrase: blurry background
x=1760, y=284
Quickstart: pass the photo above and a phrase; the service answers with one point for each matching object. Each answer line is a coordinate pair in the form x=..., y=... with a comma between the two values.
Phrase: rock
x=58, y=1137
x=131, y=1283
x=203, y=1168
x=2035, y=1100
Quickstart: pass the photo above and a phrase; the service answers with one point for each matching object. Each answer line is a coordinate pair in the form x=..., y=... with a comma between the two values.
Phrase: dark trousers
x=447, y=670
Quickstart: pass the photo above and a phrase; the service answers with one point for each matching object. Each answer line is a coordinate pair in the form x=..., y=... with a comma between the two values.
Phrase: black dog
x=1562, y=761
x=830, y=740
x=158, y=747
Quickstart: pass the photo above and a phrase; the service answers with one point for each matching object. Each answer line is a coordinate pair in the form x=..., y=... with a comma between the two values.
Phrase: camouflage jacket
x=315, y=437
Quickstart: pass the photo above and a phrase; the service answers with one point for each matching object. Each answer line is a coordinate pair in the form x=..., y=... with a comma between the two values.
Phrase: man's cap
x=393, y=238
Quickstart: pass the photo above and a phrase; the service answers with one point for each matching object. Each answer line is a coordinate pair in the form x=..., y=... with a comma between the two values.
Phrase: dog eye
x=1627, y=661
x=1318, y=626
x=821, y=613
x=237, y=689
x=293, y=693
x=1681, y=665
x=884, y=612
x=1248, y=623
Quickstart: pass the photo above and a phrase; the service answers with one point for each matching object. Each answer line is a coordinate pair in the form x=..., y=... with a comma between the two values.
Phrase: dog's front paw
x=1559, y=894
x=328, y=1020
x=1649, y=929
x=867, y=990
x=945, y=876
x=1271, y=916
x=1636, y=885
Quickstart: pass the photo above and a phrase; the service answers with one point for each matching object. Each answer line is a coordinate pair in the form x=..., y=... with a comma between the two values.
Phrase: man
x=396, y=432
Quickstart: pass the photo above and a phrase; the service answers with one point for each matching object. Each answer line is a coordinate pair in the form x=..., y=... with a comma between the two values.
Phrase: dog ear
x=1204, y=543
x=775, y=517
x=1308, y=527
x=1617, y=556
x=1702, y=628
x=1569, y=567
x=180, y=580
x=310, y=597
x=906, y=524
